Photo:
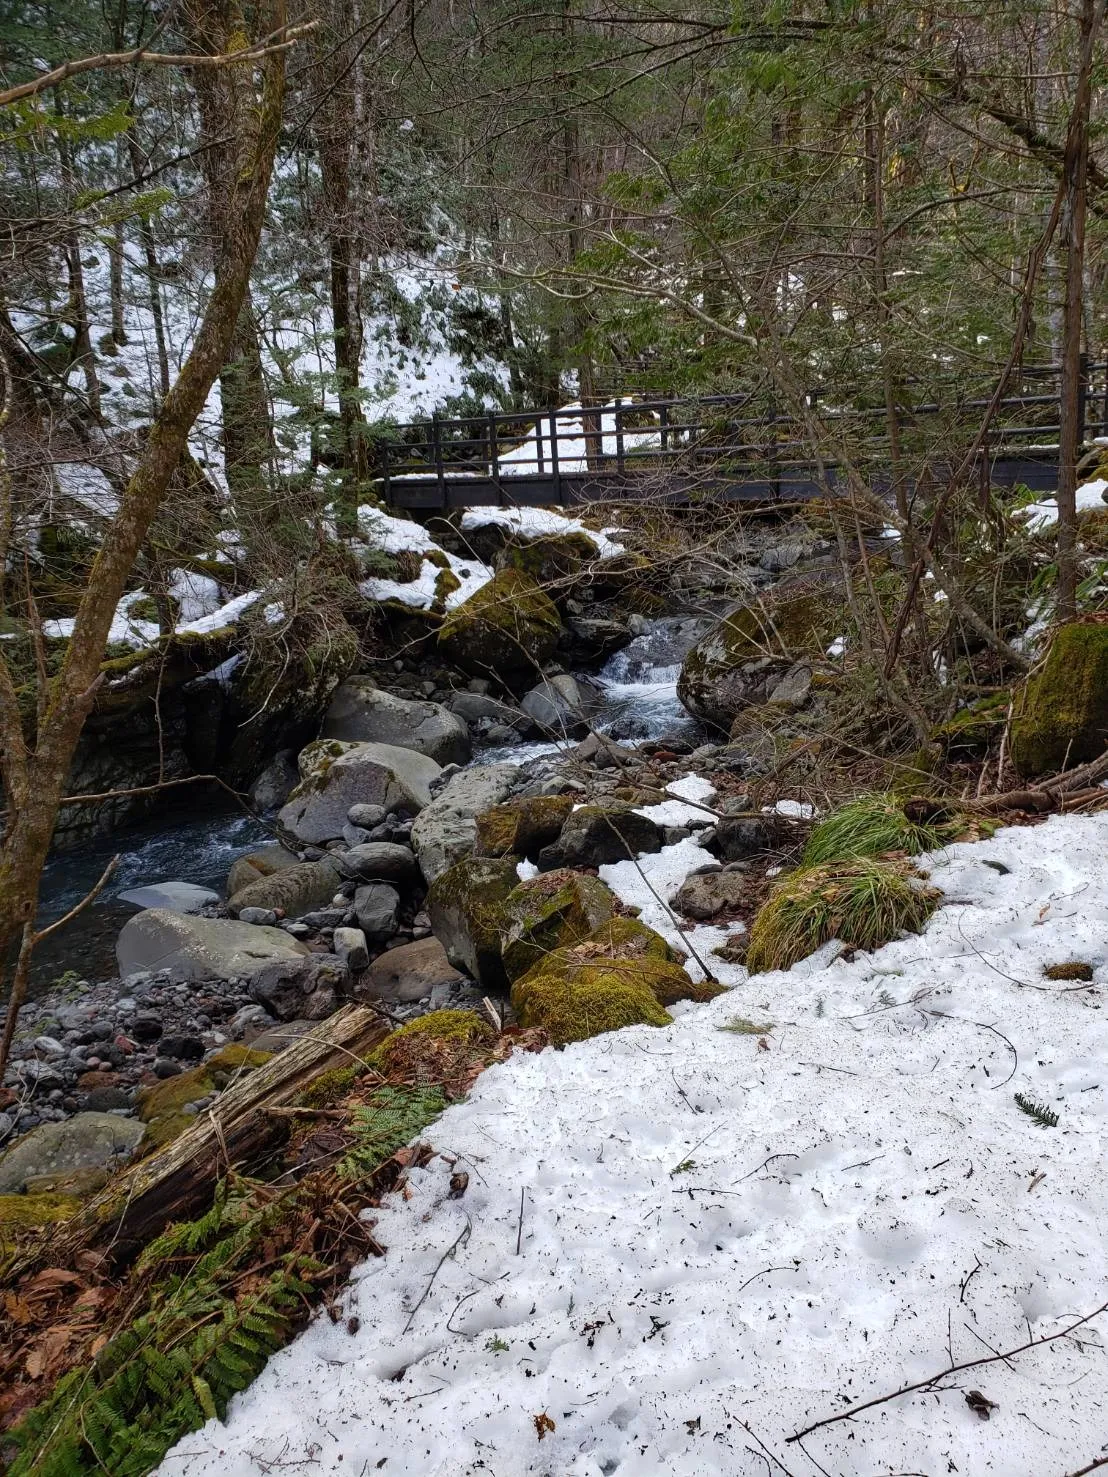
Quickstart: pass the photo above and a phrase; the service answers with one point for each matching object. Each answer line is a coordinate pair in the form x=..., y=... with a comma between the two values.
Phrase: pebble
x=263, y=917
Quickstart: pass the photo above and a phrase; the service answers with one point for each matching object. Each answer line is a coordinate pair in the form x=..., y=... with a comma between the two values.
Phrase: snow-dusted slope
x=679, y=1247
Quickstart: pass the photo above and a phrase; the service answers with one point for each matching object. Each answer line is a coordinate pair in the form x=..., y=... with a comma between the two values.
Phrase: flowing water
x=638, y=687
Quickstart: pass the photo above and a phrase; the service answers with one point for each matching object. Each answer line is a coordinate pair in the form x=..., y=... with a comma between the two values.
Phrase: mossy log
x=176, y=1182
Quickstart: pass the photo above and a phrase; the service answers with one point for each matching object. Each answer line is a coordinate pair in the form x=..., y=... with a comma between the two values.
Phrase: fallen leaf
x=459, y=1184
x=980, y=1404
x=543, y=1423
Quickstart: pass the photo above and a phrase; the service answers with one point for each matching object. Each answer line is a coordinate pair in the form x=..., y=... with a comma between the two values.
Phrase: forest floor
x=698, y=1249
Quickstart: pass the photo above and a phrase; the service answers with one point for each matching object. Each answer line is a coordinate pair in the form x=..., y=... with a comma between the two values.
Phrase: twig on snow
x=519, y=1228
x=462, y=1236
x=926, y=1384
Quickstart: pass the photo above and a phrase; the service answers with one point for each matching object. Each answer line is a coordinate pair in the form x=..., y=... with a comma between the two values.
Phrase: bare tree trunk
x=150, y=256
x=35, y=771
x=1075, y=169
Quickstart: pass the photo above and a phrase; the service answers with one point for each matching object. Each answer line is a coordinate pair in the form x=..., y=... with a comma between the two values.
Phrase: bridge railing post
x=663, y=421
x=436, y=451
x=556, y=469
x=494, y=458
x=385, y=471
x=619, y=435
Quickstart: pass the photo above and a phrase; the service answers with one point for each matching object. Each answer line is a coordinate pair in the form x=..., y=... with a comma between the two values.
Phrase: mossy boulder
x=595, y=835
x=508, y=627
x=572, y=1001
x=548, y=913
x=742, y=660
x=162, y=1108
x=522, y=827
x=436, y=1047
x=627, y=941
x=974, y=728
x=550, y=560
x=1061, y=716
x=466, y=907
x=263, y=861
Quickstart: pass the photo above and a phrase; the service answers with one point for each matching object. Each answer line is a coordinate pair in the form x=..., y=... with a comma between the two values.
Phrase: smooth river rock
x=200, y=948
x=360, y=711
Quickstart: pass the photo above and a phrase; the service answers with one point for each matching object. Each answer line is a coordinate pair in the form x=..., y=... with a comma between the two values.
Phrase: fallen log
x=236, y=1132
x=1070, y=790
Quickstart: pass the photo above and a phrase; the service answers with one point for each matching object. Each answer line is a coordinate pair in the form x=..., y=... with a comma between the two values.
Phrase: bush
x=864, y=903
x=871, y=826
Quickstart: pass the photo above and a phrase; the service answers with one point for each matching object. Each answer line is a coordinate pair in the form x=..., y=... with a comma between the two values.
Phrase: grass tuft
x=871, y=826
x=863, y=903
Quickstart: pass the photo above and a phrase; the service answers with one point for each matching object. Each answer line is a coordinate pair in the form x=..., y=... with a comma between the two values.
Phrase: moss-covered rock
x=466, y=907
x=572, y=1001
x=974, y=728
x=595, y=835
x=509, y=626
x=741, y=660
x=1061, y=716
x=445, y=1048
x=522, y=827
x=548, y=913
x=551, y=559
x=162, y=1108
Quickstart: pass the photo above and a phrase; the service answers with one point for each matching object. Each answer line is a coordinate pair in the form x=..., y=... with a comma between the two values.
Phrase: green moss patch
x=162, y=1107
x=522, y=827
x=575, y=1001
x=508, y=625
x=1061, y=717
x=440, y=1047
x=27, y=1212
x=550, y=912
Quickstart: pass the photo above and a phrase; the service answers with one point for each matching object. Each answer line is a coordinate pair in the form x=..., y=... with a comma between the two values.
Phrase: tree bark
x=1075, y=173
x=35, y=772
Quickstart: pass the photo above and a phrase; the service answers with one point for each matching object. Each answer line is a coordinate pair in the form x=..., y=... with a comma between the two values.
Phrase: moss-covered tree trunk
x=35, y=770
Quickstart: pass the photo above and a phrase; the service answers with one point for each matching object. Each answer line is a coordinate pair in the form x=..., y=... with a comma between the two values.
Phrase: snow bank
x=723, y=1237
x=539, y=522
x=1045, y=514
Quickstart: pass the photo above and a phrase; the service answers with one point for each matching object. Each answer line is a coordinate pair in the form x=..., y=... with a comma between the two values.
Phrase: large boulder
x=561, y=706
x=479, y=709
x=508, y=627
x=740, y=661
x=446, y=829
x=85, y=1141
x=287, y=987
x=361, y=712
x=411, y=972
x=522, y=827
x=200, y=948
x=291, y=891
x=466, y=907
x=595, y=835
x=337, y=775
x=263, y=861
x=1061, y=717
x=550, y=559
x=550, y=912
x=178, y=897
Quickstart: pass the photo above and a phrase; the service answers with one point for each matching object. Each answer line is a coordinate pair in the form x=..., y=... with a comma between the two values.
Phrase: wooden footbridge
x=718, y=448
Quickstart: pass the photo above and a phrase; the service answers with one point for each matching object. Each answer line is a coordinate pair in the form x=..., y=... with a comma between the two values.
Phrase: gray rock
x=283, y=985
x=338, y=775
x=561, y=706
x=263, y=861
x=446, y=829
x=709, y=893
x=49, y=1046
x=40, y=1077
x=360, y=711
x=7, y=1126
x=474, y=707
x=409, y=973
x=737, y=838
x=276, y=782
x=265, y=917
x=356, y=835
x=794, y=688
x=351, y=948
x=779, y=557
x=105, y=1099
x=321, y=1004
x=176, y=897
x=465, y=908
x=376, y=907
x=200, y=948
x=366, y=816
x=245, y=1018
x=85, y=1141
x=378, y=861
x=293, y=891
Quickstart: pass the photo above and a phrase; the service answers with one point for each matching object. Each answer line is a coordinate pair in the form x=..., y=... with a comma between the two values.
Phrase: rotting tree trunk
x=35, y=771
x=238, y=1130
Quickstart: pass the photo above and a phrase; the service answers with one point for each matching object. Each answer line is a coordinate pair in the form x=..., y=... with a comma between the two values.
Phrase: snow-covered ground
x=680, y=1247
x=1090, y=497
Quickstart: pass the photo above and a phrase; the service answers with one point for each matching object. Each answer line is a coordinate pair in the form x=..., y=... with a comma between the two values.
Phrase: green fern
x=1045, y=1117
x=391, y=1119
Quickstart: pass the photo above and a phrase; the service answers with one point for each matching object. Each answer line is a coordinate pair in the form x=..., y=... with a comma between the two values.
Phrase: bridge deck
x=724, y=448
